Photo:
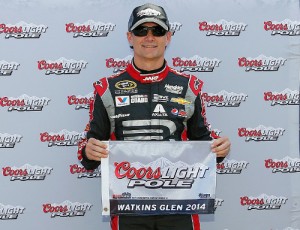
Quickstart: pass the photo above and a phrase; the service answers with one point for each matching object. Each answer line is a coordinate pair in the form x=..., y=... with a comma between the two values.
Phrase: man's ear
x=129, y=37
x=168, y=38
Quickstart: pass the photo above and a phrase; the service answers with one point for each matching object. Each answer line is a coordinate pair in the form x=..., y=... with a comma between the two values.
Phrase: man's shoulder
x=193, y=82
x=178, y=73
x=111, y=77
x=189, y=77
x=102, y=85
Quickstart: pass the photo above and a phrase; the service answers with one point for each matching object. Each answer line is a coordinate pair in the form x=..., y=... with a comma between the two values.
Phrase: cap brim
x=155, y=20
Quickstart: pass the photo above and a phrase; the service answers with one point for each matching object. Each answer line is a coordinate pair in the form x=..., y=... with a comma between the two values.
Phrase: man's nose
x=150, y=35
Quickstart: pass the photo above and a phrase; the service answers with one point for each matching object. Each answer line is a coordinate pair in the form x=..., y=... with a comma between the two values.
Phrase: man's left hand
x=221, y=146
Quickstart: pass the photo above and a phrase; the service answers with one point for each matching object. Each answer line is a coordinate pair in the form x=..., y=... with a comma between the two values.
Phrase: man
x=143, y=103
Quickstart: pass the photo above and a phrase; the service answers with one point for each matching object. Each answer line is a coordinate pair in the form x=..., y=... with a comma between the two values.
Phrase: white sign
x=153, y=178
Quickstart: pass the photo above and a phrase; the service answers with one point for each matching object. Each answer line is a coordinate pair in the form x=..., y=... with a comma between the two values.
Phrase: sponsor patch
x=122, y=101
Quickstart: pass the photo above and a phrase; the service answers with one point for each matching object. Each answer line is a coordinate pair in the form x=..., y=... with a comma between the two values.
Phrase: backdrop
x=246, y=52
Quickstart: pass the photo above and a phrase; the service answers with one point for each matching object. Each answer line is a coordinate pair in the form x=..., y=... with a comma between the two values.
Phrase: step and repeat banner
x=246, y=52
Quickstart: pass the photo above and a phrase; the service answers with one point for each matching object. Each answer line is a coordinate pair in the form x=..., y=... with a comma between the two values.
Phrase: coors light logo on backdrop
x=26, y=172
x=263, y=202
x=261, y=63
x=24, y=103
x=81, y=172
x=218, y=203
x=89, y=29
x=260, y=133
x=9, y=212
x=231, y=167
x=175, y=26
x=285, y=97
x=80, y=102
x=118, y=64
x=160, y=173
x=62, y=138
x=222, y=28
x=285, y=165
x=61, y=66
x=7, y=68
x=196, y=64
x=224, y=99
x=9, y=140
x=22, y=30
x=285, y=27
x=66, y=209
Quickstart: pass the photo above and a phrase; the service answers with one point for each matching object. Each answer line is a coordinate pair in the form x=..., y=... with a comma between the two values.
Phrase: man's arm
x=91, y=149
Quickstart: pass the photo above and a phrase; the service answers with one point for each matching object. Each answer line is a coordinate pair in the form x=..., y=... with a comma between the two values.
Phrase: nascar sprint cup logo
x=261, y=63
x=224, y=99
x=260, y=133
x=26, y=173
x=118, y=64
x=24, y=103
x=263, y=202
x=285, y=165
x=222, y=28
x=7, y=68
x=67, y=209
x=62, y=138
x=285, y=97
x=22, y=30
x=81, y=102
x=9, y=140
x=61, y=66
x=284, y=28
x=89, y=29
x=196, y=64
x=9, y=212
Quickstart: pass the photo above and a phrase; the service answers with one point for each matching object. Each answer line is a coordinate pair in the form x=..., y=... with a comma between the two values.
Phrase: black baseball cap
x=148, y=13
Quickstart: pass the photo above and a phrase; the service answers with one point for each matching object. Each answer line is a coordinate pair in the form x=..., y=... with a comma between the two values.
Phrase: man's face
x=149, y=47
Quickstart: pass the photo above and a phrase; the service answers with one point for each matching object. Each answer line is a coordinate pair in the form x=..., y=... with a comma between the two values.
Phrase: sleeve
x=98, y=128
x=197, y=126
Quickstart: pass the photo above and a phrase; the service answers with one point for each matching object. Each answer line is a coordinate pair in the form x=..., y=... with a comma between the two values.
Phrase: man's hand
x=221, y=146
x=95, y=150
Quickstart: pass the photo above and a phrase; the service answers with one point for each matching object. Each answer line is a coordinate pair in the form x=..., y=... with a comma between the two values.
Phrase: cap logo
x=148, y=12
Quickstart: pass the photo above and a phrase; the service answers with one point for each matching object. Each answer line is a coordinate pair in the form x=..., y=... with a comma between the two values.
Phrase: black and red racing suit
x=161, y=105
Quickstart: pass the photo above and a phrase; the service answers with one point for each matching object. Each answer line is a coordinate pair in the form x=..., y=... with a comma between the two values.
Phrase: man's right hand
x=95, y=150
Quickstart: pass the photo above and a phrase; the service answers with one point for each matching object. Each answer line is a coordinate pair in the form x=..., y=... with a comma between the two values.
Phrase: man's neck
x=149, y=70
x=148, y=65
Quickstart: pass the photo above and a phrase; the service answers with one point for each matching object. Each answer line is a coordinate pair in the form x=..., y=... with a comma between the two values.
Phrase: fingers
x=95, y=150
x=221, y=146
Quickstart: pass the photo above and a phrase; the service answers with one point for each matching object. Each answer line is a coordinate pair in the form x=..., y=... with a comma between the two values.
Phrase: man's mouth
x=149, y=46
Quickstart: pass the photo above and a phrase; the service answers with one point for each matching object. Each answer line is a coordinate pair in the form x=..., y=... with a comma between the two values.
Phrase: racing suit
x=157, y=106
